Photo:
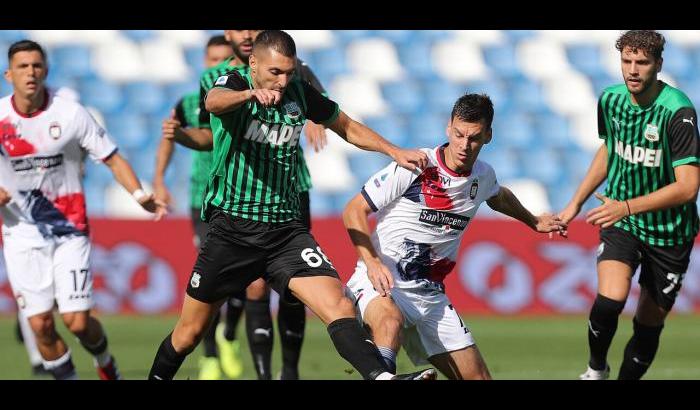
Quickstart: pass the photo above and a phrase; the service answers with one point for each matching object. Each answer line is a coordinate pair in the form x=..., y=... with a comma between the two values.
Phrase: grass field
x=514, y=348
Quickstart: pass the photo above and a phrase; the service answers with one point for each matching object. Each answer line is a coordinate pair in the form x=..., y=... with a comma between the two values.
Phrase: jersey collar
x=35, y=113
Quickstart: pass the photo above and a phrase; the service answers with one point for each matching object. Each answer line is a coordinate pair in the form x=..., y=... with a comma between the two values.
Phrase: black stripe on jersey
x=369, y=200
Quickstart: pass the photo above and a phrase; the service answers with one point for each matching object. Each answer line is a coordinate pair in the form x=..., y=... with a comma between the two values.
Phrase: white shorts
x=56, y=273
x=431, y=325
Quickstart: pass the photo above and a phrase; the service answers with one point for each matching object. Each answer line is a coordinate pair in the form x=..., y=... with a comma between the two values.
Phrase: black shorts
x=237, y=251
x=663, y=267
x=198, y=226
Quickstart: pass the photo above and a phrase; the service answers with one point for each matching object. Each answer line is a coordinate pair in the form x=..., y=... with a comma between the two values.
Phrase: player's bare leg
x=54, y=351
x=385, y=321
x=614, y=281
x=324, y=296
x=648, y=323
x=258, y=324
x=462, y=364
x=92, y=337
x=194, y=320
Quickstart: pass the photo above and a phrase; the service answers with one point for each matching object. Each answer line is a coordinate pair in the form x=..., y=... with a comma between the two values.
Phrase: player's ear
x=658, y=66
x=447, y=129
x=252, y=62
x=489, y=135
x=7, y=76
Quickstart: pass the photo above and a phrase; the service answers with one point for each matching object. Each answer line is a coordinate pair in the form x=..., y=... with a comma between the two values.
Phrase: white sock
x=384, y=376
x=62, y=368
x=389, y=357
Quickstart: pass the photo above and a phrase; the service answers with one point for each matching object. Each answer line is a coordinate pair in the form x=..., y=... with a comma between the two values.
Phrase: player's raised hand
x=315, y=135
x=5, y=197
x=410, y=158
x=170, y=126
x=608, y=213
x=265, y=97
x=548, y=223
x=380, y=276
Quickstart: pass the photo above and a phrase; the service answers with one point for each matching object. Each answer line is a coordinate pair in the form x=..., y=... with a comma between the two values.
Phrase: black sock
x=602, y=324
x=258, y=325
x=209, y=340
x=234, y=310
x=640, y=351
x=167, y=361
x=97, y=349
x=354, y=345
x=291, y=320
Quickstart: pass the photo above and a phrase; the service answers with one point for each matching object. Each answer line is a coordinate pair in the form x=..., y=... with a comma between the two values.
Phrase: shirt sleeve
x=495, y=187
x=387, y=185
x=307, y=75
x=180, y=113
x=683, y=137
x=93, y=138
x=319, y=109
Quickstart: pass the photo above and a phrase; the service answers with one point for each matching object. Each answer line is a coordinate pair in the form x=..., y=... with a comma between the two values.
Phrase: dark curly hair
x=474, y=108
x=648, y=40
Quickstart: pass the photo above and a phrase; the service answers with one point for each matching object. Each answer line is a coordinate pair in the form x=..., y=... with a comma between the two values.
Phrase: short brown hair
x=648, y=40
x=25, y=45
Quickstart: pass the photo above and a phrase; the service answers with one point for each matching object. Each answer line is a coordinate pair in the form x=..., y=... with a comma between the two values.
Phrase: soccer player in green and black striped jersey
x=252, y=206
x=291, y=319
x=648, y=216
x=186, y=115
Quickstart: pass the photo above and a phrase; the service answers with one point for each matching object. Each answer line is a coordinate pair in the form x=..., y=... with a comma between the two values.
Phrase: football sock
x=167, y=361
x=602, y=324
x=61, y=368
x=291, y=320
x=354, y=344
x=640, y=351
x=389, y=357
x=258, y=324
x=209, y=341
x=99, y=351
x=234, y=310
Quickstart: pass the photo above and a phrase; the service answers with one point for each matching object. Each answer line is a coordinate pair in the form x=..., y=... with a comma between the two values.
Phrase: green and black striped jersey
x=254, y=174
x=644, y=145
x=303, y=71
x=187, y=112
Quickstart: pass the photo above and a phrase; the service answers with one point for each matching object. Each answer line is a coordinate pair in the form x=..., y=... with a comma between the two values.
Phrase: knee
x=43, y=327
x=257, y=290
x=77, y=323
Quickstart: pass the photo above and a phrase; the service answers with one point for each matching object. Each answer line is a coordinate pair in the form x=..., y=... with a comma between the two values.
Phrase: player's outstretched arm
x=507, y=203
x=368, y=140
x=124, y=174
x=199, y=139
x=596, y=174
x=356, y=220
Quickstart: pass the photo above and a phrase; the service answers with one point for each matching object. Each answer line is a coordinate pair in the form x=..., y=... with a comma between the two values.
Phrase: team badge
x=292, y=110
x=473, y=190
x=651, y=133
x=55, y=130
x=20, y=301
x=194, y=282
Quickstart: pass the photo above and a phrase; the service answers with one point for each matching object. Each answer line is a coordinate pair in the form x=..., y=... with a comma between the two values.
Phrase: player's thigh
x=72, y=275
x=619, y=255
x=30, y=273
x=661, y=278
x=463, y=364
x=441, y=329
x=227, y=263
x=385, y=321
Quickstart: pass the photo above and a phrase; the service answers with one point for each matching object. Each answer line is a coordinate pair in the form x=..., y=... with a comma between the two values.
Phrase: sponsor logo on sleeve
x=221, y=80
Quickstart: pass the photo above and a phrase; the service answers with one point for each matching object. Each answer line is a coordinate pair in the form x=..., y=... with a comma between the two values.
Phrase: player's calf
x=640, y=351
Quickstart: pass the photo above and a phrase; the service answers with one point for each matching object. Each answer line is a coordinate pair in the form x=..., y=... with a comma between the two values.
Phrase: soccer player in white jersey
x=45, y=231
x=421, y=218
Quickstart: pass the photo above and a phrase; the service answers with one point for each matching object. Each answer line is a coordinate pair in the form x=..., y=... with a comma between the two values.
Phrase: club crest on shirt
x=55, y=130
x=292, y=109
x=651, y=133
x=20, y=301
x=194, y=282
x=474, y=189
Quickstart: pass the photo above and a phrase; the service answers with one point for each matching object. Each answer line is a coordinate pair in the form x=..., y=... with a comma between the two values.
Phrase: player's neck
x=647, y=97
x=28, y=105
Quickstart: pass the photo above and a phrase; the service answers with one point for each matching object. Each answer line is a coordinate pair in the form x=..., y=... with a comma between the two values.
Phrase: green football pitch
x=514, y=348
